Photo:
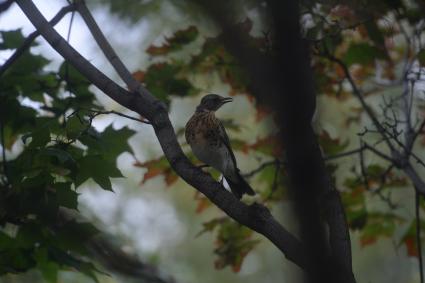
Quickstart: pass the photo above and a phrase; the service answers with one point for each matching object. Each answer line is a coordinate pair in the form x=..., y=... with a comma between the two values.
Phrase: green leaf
x=68, y=259
x=66, y=196
x=77, y=84
x=40, y=137
x=110, y=143
x=215, y=57
x=73, y=77
x=75, y=126
x=11, y=39
x=362, y=53
x=376, y=35
x=61, y=155
x=162, y=80
x=19, y=119
x=49, y=269
x=97, y=168
x=73, y=236
x=25, y=72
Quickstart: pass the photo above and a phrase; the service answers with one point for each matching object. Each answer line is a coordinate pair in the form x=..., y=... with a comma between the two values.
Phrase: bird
x=210, y=143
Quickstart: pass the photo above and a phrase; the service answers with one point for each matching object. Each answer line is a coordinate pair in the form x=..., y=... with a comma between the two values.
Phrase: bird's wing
x=225, y=140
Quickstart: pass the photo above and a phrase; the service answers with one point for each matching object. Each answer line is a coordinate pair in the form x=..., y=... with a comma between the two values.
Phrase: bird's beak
x=226, y=100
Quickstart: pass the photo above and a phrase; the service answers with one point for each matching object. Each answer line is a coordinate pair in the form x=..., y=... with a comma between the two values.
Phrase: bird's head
x=212, y=102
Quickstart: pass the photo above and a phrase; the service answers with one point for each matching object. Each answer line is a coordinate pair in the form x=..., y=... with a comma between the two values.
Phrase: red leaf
x=176, y=42
x=367, y=240
x=158, y=50
x=262, y=112
x=412, y=249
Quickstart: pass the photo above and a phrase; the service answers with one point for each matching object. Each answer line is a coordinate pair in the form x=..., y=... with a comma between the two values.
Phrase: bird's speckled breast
x=203, y=135
x=203, y=129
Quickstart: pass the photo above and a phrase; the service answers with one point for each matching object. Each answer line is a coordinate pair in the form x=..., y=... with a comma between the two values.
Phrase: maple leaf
x=157, y=167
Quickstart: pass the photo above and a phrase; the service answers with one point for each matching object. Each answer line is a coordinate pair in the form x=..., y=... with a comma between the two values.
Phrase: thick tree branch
x=29, y=40
x=283, y=80
x=255, y=216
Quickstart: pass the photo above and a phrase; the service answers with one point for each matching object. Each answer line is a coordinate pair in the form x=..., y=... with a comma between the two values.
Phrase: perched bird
x=209, y=142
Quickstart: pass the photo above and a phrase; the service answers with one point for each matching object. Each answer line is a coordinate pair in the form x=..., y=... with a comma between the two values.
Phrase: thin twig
x=260, y=168
x=98, y=112
x=363, y=170
x=3, y=149
x=418, y=132
x=29, y=40
x=71, y=21
x=380, y=154
x=358, y=94
x=344, y=154
x=418, y=235
x=378, y=191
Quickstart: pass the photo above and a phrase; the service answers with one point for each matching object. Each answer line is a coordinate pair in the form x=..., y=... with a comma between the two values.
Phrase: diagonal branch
x=255, y=216
x=5, y=5
x=29, y=40
x=106, y=47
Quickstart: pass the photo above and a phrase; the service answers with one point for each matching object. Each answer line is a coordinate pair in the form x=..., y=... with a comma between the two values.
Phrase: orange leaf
x=151, y=173
x=237, y=267
x=203, y=204
x=139, y=76
x=170, y=177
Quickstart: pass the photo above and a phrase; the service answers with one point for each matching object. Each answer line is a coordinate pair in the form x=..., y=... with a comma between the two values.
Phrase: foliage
x=365, y=42
x=49, y=114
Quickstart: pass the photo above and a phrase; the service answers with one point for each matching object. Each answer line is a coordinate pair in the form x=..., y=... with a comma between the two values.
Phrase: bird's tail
x=240, y=187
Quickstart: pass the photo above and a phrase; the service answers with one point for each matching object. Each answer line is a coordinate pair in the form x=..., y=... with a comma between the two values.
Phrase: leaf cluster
x=46, y=122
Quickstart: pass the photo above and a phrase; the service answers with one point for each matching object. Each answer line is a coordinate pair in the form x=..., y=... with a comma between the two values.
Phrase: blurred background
x=157, y=217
